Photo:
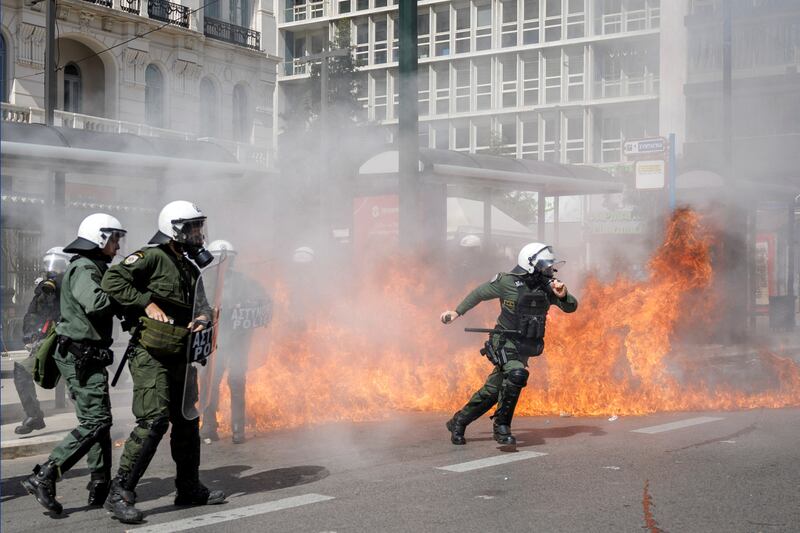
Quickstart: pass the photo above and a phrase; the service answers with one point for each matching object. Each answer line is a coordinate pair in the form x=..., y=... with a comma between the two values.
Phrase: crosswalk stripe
x=677, y=425
x=233, y=514
x=491, y=461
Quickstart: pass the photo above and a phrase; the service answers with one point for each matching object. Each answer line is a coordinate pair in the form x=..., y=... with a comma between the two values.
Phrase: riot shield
x=202, y=346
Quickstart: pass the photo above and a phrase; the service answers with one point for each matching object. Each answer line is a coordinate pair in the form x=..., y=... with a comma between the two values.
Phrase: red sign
x=376, y=226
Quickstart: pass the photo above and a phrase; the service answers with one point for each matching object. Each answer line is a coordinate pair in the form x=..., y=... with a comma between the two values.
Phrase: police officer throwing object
x=84, y=338
x=156, y=286
x=245, y=307
x=43, y=313
x=526, y=293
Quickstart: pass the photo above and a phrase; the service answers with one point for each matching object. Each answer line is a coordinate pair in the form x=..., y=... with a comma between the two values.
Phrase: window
x=344, y=6
x=530, y=22
x=441, y=136
x=461, y=137
x=424, y=88
x=611, y=143
x=574, y=137
x=73, y=88
x=442, y=21
x=530, y=138
x=380, y=3
x=483, y=137
x=575, y=75
x=380, y=95
x=381, y=40
x=362, y=4
x=508, y=137
x=509, y=86
x=552, y=21
x=610, y=74
x=508, y=30
x=551, y=140
x=395, y=39
x=424, y=34
x=530, y=80
x=211, y=9
x=241, y=12
x=209, y=109
x=153, y=96
x=635, y=15
x=3, y=93
x=575, y=19
x=424, y=136
x=241, y=115
x=483, y=27
x=552, y=80
x=442, y=89
x=462, y=75
x=483, y=93
x=462, y=29
x=610, y=20
x=362, y=42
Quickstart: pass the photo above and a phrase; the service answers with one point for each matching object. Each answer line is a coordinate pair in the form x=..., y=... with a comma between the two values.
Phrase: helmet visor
x=115, y=241
x=192, y=232
x=548, y=267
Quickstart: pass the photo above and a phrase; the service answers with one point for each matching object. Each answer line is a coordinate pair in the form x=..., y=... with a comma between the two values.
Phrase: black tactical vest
x=529, y=317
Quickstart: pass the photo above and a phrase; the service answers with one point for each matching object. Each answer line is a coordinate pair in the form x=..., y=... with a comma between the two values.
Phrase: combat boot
x=42, y=485
x=502, y=434
x=197, y=494
x=457, y=426
x=98, y=488
x=30, y=423
x=120, y=503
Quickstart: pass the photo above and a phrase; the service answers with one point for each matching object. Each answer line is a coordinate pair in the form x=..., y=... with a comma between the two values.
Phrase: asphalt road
x=728, y=472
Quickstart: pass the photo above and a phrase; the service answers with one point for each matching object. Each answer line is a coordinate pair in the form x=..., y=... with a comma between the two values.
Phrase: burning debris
x=380, y=348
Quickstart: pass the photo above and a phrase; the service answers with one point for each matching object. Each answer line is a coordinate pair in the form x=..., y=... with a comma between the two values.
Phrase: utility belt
x=524, y=347
x=86, y=355
x=498, y=357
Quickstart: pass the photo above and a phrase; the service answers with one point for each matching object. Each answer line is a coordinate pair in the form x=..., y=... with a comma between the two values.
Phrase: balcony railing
x=245, y=153
x=130, y=6
x=105, y=3
x=305, y=11
x=168, y=12
x=626, y=86
x=231, y=33
x=296, y=67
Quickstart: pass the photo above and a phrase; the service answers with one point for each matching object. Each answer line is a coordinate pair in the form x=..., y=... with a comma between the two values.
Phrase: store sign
x=622, y=222
x=656, y=145
x=650, y=174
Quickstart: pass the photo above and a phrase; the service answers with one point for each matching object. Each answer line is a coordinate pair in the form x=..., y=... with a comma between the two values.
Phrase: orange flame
x=381, y=348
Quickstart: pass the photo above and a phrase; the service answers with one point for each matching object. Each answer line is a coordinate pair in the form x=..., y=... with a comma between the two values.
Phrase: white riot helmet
x=180, y=221
x=538, y=257
x=55, y=261
x=94, y=232
x=470, y=241
x=304, y=254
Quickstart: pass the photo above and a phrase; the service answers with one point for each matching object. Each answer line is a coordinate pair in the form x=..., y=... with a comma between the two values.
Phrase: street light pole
x=408, y=128
x=50, y=93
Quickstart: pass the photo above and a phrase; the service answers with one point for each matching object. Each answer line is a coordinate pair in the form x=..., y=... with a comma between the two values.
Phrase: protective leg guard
x=42, y=485
x=515, y=381
x=98, y=434
x=237, y=387
x=98, y=488
x=197, y=494
x=158, y=427
x=120, y=502
x=34, y=418
x=458, y=424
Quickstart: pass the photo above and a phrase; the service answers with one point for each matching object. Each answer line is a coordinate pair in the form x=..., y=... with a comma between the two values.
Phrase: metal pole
x=556, y=216
x=50, y=93
x=672, y=171
x=540, y=206
x=487, y=220
x=727, y=89
x=790, y=273
x=408, y=128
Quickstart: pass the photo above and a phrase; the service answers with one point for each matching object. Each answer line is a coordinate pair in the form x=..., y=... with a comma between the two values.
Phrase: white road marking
x=491, y=461
x=677, y=425
x=233, y=514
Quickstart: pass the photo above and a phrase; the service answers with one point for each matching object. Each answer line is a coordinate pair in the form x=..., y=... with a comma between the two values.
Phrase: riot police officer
x=245, y=307
x=526, y=293
x=84, y=337
x=156, y=286
x=43, y=313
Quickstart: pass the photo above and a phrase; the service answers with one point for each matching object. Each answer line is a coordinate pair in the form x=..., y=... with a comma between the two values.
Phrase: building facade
x=559, y=80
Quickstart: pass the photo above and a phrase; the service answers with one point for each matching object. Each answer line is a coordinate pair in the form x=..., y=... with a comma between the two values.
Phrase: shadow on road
x=537, y=437
x=11, y=488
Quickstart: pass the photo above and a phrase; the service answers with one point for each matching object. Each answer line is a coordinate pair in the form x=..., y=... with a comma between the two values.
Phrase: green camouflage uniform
x=156, y=274
x=504, y=287
x=86, y=320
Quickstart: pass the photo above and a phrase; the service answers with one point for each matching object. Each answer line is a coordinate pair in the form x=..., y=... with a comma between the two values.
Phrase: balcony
x=246, y=153
x=626, y=87
x=168, y=12
x=296, y=67
x=231, y=33
x=305, y=11
x=130, y=6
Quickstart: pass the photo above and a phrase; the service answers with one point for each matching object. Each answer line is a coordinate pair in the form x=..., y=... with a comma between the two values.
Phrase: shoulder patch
x=131, y=259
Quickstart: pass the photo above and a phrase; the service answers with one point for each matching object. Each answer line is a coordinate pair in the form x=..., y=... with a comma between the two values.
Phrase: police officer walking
x=526, y=294
x=84, y=337
x=43, y=313
x=156, y=286
x=245, y=307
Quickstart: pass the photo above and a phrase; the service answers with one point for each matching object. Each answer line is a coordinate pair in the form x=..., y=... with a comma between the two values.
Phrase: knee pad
x=518, y=377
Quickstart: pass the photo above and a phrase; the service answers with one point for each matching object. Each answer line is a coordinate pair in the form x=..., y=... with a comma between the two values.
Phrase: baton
x=492, y=330
x=122, y=362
